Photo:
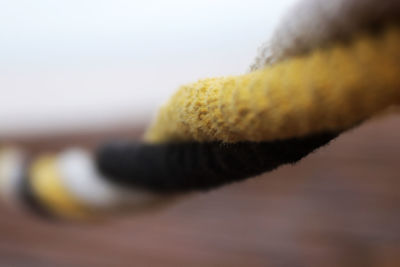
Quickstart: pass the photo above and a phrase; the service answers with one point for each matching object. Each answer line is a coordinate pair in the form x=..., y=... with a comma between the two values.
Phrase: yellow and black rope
x=220, y=130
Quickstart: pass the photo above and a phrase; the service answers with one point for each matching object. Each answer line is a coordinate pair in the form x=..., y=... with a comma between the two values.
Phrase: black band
x=193, y=166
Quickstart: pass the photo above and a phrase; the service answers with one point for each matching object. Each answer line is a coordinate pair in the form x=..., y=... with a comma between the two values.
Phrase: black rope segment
x=180, y=167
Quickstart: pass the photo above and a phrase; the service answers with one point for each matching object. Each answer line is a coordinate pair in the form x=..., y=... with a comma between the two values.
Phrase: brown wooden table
x=338, y=207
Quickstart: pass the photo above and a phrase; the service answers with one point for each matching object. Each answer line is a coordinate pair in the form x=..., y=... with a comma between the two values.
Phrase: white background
x=86, y=63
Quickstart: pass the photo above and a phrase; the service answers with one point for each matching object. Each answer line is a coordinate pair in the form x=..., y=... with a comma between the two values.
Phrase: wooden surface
x=338, y=207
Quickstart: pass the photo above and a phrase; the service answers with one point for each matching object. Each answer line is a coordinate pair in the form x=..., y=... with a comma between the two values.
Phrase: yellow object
x=326, y=90
x=47, y=187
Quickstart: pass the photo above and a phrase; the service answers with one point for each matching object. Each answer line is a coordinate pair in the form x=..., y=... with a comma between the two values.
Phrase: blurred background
x=82, y=64
x=80, y=72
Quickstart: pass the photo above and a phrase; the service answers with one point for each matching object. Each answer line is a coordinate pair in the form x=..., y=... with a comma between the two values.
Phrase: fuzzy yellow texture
x=329, y=89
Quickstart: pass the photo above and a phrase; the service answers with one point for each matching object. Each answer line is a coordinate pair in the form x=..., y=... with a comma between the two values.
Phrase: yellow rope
x=47, y=186
x=329, y=89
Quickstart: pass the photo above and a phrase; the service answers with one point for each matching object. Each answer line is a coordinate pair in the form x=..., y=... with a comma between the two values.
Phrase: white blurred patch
x=11, y=173
x=80, y=64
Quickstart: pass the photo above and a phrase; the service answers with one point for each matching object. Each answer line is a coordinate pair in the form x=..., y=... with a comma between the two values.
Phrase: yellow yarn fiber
x=47, y=186
x=330, y=89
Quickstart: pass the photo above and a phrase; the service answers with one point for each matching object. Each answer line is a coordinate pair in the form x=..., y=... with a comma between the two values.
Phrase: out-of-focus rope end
x=12, y=165
x=67, y=186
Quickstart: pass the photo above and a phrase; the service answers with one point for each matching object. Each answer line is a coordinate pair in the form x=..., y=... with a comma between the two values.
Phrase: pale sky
x=85, y=63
